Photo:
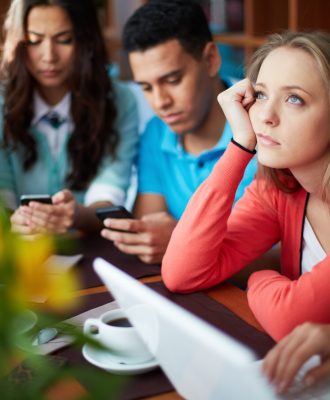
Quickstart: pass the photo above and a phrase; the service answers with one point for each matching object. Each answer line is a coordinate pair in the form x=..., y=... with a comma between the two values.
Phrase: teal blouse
x=48, y=175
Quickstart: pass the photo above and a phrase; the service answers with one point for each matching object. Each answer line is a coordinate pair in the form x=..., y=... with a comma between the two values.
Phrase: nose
x=161, y=99
x=268, y=113
x=48, y=52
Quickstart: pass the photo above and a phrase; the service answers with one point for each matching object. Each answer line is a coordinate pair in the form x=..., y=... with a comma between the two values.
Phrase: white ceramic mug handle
x=92, y=327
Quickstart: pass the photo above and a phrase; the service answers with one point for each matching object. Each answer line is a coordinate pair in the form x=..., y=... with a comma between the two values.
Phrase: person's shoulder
x=270, y=193
x=155, y=129
x=158, y=123
x=122, y=93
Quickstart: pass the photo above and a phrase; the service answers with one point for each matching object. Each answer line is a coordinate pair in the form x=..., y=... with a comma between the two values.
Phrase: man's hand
x=37, y=217
x=147, y=237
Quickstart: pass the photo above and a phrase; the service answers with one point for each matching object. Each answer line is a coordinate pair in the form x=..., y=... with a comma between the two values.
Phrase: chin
x=271, y=162
x=179, y=129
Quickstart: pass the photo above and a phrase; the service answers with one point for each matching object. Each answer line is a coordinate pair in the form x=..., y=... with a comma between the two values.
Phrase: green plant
x=23, y=276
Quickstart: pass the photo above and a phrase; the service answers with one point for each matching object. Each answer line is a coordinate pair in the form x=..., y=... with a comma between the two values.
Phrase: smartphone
x=40, y=198
x=112, y=212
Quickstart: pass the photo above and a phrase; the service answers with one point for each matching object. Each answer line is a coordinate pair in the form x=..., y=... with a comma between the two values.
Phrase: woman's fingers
x=49, y=218
x=317, y=374
x=284, y=361
x=235, y=102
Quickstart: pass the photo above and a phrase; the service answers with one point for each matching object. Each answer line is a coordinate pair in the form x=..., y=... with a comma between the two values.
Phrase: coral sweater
x=211, y=242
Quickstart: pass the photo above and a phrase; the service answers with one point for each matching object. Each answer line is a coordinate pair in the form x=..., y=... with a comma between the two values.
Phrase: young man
x=176, y=63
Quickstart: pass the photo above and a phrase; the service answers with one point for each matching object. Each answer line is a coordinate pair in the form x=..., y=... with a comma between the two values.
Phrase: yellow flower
x=37, y=280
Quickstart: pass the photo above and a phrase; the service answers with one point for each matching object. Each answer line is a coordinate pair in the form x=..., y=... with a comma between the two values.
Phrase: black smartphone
x=112, y=212
x=40, y=198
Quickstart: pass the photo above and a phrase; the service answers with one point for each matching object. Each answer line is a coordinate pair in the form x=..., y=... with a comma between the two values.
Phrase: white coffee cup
x=123, y=342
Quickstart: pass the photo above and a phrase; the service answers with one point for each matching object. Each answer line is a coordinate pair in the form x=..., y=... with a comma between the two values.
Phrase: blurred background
x=239, y=26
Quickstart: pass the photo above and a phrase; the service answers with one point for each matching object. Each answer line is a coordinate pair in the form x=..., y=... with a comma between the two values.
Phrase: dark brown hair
x=93, y=110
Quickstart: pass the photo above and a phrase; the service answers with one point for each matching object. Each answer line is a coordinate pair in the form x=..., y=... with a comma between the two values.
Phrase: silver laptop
x=201, y=361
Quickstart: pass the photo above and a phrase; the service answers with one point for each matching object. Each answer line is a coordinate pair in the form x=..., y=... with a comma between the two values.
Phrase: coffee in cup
x=123, y=322
x=114, y=331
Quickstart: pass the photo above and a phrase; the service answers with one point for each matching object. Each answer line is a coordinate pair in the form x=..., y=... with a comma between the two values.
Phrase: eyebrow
x=288, y=87
x=162, y=78
x=56, y=35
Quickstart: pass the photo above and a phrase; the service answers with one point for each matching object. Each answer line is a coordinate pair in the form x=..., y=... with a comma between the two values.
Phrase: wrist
x=250, y=148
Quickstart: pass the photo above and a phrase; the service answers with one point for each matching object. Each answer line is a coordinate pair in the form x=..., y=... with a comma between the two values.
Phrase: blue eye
x=260, y=96
x=294, y=99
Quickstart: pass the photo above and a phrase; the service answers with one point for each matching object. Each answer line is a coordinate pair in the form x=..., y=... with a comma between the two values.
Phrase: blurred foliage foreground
x=24, y=276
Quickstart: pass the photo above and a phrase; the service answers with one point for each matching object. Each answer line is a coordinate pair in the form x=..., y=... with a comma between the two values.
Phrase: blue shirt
x=166, y=169
x=48, y=175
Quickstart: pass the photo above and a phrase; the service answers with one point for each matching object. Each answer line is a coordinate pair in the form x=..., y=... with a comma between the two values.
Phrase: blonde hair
x=317, y=44
x=13, y=31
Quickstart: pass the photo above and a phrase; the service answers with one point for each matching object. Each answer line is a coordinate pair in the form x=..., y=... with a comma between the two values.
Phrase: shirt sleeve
x=248, y=177
x=7, y=181
x=211, y=242
x=280, y=304
x=149, y=160
x=114, y=177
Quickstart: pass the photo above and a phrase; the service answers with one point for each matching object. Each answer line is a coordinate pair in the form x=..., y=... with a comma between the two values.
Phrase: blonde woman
x=283, y=109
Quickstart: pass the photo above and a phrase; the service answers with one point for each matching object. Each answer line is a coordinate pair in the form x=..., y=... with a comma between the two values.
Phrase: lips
x=266, y=140
x=49, y=73
x=172, y=118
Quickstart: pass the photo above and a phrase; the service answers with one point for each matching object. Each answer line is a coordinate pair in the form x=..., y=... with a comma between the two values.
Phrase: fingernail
x=280, y=387
x=309, y=381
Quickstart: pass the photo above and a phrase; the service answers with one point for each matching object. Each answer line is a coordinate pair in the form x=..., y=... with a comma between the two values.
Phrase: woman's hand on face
x=284, y=361
x=235, y=103
x=57, y=217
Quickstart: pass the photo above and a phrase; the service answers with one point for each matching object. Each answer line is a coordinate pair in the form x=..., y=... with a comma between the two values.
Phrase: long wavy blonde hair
x=317, y=44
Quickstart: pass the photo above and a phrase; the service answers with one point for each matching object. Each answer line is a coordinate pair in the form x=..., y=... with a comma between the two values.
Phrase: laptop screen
x=201, y=361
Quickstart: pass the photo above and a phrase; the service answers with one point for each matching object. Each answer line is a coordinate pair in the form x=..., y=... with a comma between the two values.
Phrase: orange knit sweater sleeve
x=280, y=304
x=211, y=242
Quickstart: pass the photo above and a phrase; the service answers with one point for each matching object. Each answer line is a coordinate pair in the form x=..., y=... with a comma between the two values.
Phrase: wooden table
x=226, y=294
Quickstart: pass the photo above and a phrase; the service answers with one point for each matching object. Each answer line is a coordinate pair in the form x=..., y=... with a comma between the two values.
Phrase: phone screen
x=40, y=198
x=112, y=212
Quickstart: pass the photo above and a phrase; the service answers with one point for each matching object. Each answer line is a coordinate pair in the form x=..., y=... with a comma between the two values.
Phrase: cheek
x=253, y=114
x=316, y=128
x=31, y=59
x=184, y=98
x=68, y=57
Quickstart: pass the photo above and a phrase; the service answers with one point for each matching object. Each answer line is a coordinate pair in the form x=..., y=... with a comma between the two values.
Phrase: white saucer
x=103, y=360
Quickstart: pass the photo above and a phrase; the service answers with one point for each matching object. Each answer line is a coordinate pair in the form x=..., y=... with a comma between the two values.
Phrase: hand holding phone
x=112, y=212
x=40, y=198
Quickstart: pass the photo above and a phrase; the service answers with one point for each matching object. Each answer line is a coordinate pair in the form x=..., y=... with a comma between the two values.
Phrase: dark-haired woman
x=67, y=130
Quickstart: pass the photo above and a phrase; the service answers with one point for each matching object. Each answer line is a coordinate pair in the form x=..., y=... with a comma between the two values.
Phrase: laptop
x=200, y=361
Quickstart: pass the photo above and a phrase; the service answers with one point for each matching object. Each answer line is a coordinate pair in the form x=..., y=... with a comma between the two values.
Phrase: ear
x=212, y=59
